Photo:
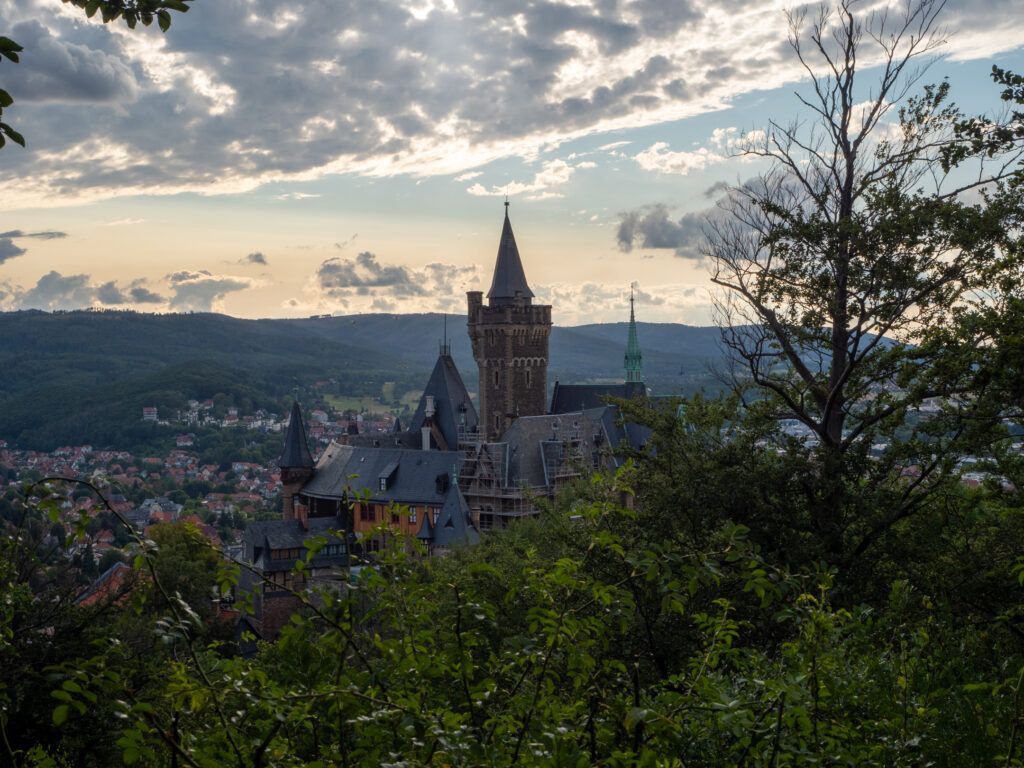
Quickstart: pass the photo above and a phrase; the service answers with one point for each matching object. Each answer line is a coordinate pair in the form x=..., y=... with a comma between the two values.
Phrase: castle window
x=412, y=514
x=495, y=377
x=528, y=377
x=497, y=422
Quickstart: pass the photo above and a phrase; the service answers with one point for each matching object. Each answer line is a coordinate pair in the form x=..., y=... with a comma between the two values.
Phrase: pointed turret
x=445, y=407
x=296, y=453
x=634, y=368
x=510, y=342
x=509, y=283
x=296, y=462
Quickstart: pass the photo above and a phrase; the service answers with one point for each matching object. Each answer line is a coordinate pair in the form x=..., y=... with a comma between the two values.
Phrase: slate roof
x=452, y=405
x=509, y=278
x=535, y=445
x=414, y=480
x=566, y=398
x=289, y=534
x=296, y=449
x=453, y=524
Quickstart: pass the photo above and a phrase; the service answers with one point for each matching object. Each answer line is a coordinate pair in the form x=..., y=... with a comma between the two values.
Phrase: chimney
x=302, y=515
x=425, y=432
x=428, y=410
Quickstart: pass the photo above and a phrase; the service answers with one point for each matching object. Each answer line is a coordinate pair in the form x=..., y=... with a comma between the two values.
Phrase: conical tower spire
x=509, y=283
x=296, y=453
x=634, y=366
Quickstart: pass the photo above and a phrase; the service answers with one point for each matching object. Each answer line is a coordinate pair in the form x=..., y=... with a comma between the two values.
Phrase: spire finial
x=506, y=204
x=634, y=371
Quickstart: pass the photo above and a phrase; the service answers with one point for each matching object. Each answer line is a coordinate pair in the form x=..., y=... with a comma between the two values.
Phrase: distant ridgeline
x=84, y=376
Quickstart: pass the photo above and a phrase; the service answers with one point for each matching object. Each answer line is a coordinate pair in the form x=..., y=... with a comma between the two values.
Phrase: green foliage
x=599, y=633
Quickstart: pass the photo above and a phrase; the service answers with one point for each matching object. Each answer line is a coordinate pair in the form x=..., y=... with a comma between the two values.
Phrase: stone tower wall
x=510, y=346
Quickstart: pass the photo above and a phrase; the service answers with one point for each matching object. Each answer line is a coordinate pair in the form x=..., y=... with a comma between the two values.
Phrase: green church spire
x=634, y=368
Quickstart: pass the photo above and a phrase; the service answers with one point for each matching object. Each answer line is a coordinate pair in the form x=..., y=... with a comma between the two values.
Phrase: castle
x=459, y=468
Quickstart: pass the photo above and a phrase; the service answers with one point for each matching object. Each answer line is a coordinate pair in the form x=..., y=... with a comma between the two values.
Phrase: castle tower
x=510, y=342
x=634, y=360
x=296, y=461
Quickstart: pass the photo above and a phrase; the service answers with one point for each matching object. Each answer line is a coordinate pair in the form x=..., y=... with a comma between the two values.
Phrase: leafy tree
x=838, y=261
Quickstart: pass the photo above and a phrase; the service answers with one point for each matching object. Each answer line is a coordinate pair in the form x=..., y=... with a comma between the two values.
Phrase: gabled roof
x=347, y=468
x=296, y=450
x=454, y=525
x=578, y=397
x=509, y=280
x=452, y=405
x=537, y=445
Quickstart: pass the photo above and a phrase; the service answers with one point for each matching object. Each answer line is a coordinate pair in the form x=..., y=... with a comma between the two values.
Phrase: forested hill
x=73, y=377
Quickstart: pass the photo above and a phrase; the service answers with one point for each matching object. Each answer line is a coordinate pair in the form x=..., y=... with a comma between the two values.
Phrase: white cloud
x=553, y=173
x=659, y=158
x=201, y=291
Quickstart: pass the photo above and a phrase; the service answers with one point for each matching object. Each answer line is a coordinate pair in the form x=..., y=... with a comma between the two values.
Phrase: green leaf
x=60, y=714
x=12, y=134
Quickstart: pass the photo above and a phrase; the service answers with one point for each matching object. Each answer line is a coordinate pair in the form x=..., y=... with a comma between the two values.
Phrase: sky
x=268, y=159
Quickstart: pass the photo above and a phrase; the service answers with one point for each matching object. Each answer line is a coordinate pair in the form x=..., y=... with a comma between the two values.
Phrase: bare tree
x=865, y=233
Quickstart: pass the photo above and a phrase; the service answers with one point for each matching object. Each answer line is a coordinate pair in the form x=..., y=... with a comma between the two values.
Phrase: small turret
x=296, y=461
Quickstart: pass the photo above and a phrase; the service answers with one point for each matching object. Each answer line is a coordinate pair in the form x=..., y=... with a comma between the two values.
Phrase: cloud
x=296, y=196
x=659, y=158
x=109, y=294
x=124, y=222
x=340, y=277
x=469, y=175
x=9, y=249
x=553, y=173
x=382, y=88
x=651, y=227
x=56, y=291
x=201, y=291
x=256, y=257
x=141, y=295
x=366, y=282
x=45, y=235
x=54, y=69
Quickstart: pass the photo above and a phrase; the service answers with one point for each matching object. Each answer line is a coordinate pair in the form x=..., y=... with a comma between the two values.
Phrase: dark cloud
x=716, y=190
x=45, y=235
x=56, y=70
x=347, y=79
x=141, y=295
x=256, y=257
x=8, y=249
x=340, y=277
x=56, y=291
x=199, y=291
x=651, y=227
x=110, y=294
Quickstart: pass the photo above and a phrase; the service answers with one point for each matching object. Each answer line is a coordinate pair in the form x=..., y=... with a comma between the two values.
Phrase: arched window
x=495, y=377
